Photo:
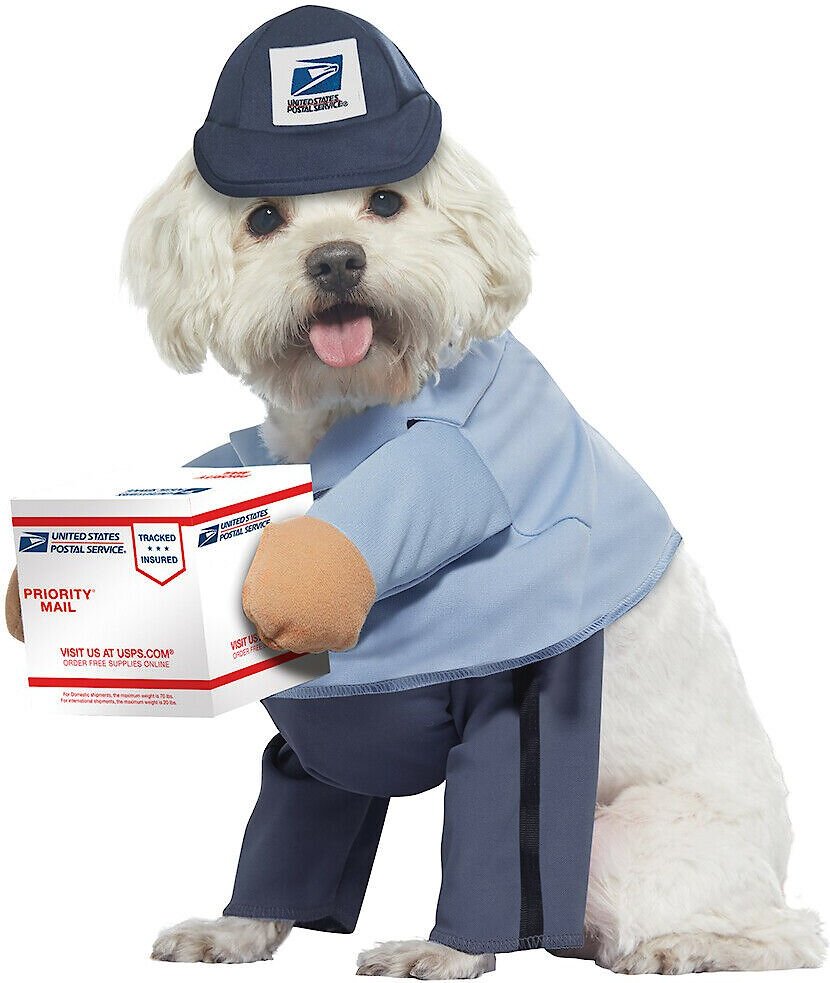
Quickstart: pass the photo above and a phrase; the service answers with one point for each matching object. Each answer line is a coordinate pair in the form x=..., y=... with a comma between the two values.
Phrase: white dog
x=691, y=837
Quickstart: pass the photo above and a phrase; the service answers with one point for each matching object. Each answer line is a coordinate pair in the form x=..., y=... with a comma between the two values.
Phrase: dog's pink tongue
x=343, y=339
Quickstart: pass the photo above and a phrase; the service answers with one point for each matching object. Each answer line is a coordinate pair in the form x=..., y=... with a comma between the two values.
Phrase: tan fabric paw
x=309, y=588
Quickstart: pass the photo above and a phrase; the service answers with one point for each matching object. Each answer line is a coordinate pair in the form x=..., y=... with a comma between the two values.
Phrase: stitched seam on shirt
x=553, y=525
x=401, y=683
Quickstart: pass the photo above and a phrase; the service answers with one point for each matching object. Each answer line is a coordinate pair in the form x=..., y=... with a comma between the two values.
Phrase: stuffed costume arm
x=419, y=502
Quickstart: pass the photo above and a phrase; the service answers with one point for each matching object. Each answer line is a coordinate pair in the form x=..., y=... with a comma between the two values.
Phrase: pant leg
x=308, y=849
x=326, y=782
x=377, y=744
x=519, y=806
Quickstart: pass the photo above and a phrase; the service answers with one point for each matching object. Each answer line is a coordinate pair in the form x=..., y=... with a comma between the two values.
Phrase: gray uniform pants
x=518, y=751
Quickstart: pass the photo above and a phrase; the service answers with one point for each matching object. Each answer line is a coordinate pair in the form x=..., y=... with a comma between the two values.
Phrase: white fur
x=221, y=940
x=422, y=960
x=692, y=836
x=453, y=266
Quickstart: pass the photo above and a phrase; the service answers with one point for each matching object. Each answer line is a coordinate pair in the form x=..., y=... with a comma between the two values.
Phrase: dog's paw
x=220, y=940
x=794, y=943
x=676, y=955
x=423, y=960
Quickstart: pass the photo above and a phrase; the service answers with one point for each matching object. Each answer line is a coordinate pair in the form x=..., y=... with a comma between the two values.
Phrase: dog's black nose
x=336, y=267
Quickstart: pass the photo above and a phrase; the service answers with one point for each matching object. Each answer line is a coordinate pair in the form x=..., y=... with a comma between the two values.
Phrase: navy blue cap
x=315, y=100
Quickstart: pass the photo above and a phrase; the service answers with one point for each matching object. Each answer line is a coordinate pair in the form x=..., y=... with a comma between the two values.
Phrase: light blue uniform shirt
x=500, y=527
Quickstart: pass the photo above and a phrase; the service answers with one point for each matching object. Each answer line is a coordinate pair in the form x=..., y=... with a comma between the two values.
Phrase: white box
x=131, y=598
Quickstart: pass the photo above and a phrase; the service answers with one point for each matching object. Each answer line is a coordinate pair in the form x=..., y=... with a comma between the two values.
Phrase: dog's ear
x=464, y=192
x=178, y=263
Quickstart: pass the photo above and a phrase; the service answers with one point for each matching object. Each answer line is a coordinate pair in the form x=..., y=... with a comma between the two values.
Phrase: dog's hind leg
x=677, y=887
x=220, y=940
x=691, y=835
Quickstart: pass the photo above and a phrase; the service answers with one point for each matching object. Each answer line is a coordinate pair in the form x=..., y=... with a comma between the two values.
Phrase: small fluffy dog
x=691, y=836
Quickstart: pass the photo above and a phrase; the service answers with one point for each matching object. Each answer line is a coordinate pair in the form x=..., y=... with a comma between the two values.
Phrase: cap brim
x=312, y=159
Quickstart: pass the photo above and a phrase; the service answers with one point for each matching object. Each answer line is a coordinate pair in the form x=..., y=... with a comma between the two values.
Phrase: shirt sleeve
x=419, y=502
x=220, y=457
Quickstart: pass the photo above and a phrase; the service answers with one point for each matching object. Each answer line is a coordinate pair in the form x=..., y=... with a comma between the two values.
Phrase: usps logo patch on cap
x=316, y=83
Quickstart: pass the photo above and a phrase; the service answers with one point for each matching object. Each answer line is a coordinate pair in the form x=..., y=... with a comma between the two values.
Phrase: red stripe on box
x=80, y=682
x=186, y=520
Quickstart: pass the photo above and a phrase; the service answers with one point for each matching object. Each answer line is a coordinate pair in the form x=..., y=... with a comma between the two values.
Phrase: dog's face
x=343, y=299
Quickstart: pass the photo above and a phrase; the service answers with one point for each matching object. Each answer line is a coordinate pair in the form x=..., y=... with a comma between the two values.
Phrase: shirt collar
x=250, y=447
x=354, y=438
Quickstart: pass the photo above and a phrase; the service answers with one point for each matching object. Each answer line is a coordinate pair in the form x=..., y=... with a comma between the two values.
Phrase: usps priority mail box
x=131, y=598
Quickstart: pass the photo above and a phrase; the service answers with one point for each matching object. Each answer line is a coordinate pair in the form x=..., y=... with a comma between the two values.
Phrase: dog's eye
x=385, y=203
x=264, y=220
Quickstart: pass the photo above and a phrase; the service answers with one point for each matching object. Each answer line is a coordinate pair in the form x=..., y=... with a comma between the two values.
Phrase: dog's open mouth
x=341, y=335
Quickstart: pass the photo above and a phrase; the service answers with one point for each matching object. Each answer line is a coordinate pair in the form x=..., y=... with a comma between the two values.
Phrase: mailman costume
x=467, y=549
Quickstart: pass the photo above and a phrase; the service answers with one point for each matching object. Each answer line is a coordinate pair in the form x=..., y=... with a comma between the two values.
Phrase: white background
x=670, y=162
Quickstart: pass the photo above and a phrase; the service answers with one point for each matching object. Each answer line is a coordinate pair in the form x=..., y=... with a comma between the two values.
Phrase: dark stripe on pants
x=526, y=693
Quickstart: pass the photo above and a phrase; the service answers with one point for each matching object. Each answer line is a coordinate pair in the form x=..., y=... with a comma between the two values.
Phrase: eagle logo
x=313, y=75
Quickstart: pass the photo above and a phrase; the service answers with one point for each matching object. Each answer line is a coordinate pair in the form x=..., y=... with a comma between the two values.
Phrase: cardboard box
x=131, y=598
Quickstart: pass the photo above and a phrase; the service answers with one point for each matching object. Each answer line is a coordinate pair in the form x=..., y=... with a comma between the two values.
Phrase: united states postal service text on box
x=131, y=599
